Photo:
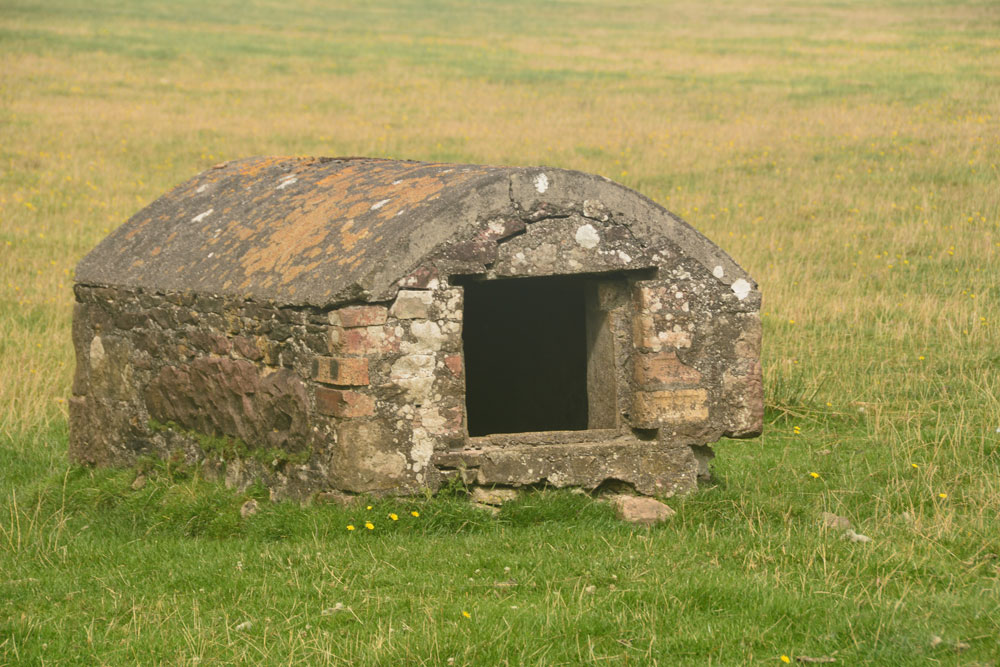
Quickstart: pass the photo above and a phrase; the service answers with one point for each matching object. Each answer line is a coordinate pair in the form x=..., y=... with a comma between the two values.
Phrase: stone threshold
x=543, y=438
x=650, y=467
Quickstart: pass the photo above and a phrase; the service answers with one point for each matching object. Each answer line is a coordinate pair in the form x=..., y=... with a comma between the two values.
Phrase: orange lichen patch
x=252, y=168
x=155, y=251
x=349, y=239
x=139, y=226
x=292, y=272
x=289, y=239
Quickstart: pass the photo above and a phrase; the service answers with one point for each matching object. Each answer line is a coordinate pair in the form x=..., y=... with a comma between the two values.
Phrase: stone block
x=677, y=406
x=412, y=304
x=744, y=398
x=344, y=371
x=344, y=403
x=660, y=368
x=359, y=316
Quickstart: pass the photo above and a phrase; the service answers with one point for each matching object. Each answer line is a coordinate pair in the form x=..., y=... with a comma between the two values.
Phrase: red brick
x=344, y=403
x=359, y=316
x=346, y=371
x=664, y=368
x=377, y=340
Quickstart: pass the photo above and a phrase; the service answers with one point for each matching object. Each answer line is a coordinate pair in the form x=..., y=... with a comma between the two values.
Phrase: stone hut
x=381, y=326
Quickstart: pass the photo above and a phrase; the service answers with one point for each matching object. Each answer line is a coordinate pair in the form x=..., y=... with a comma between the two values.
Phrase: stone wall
x=355, y=399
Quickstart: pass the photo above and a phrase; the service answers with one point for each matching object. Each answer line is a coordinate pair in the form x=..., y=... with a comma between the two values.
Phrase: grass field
x=844, y=152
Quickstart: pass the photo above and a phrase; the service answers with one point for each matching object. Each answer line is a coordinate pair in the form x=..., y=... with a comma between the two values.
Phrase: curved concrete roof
x=323, y=231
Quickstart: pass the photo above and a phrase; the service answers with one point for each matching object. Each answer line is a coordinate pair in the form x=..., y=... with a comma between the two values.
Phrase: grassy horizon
x=844, y=153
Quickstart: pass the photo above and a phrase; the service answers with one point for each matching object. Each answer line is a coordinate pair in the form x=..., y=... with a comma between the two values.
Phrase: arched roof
x=323, y=231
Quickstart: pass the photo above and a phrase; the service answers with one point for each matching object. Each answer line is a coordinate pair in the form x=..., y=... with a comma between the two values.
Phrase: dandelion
x=394, y=517
x=797, y=430
x=942, y=496
x=785, y=659
x=915, y=466
x=466, y=614
x=369, y=507
x=921, y=357
x=814, y=475
x=350, y=527
x=415, y=514
x=369, y=525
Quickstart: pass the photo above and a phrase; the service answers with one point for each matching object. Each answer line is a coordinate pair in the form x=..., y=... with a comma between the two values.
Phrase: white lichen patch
x=202, y=216
x=541, y=183
x=96, y=351
x=422, y=450
x=718, y=272
x=288, y=180
x=587, y=236
x=412, y=366
x=379, y=204
x=624, y=257
x=741, y=288
x=428, y=337
x=202, y=188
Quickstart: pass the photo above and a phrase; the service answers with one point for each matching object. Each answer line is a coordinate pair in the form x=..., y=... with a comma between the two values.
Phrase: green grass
x=845, y=153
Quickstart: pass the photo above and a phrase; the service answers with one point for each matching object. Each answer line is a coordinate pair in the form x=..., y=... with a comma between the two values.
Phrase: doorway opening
x=538, y=356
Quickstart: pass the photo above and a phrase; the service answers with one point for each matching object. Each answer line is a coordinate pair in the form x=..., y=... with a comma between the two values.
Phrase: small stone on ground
x=641, y=510
x=249, y=508
x=493, y=496
x=831, y=520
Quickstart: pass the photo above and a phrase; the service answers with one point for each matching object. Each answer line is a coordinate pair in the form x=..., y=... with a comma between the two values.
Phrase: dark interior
x=525, y=355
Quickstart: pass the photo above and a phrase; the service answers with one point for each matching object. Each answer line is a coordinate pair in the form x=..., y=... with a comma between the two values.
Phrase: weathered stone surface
x=641, y=511
x=221, y=396
x=367, y=459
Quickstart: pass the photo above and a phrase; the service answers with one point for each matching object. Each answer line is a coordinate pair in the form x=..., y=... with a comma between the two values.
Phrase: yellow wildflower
x=369, y=525
x=394, y=517
x=814, y=475
x=350, y=527
x=415, y=513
